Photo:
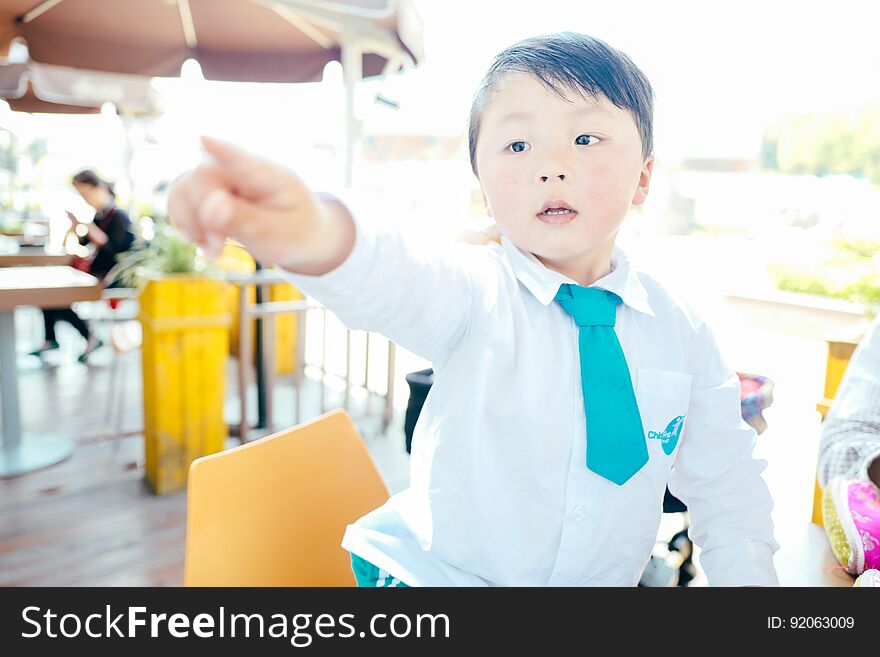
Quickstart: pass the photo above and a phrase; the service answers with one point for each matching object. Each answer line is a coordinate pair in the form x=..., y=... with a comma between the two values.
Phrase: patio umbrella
x=235, y=40
x=25, y=99
x=33, y=87
x=244, y=40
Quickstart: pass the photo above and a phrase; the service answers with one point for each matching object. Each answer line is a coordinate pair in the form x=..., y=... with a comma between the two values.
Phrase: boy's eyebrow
x=526, y=116
x=516, y=116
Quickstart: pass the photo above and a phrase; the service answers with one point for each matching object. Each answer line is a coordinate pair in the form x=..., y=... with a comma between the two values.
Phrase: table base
x=34, y=452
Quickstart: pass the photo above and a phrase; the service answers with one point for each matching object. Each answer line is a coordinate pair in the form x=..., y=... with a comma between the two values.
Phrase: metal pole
x=18, y=455
x=268, y=367
x=243, y=359
x=389, y=395
x=347, y=368
x=258, y=357
x=352, y=72
x=9, y=382
x=299, y=370
x=367, y=369
x=323, y=357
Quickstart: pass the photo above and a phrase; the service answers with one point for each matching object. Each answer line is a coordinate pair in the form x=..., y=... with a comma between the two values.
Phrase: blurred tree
x=8, y=167
x=823, y=144
x=7, y=151
x=769, y=148
x=37, y=149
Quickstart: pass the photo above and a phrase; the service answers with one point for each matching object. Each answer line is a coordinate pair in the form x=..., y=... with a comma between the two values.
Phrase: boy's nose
x=561, y=176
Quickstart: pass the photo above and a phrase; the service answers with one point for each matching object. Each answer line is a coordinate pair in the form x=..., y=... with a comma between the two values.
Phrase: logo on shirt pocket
x=669, y=437
x=664, y=398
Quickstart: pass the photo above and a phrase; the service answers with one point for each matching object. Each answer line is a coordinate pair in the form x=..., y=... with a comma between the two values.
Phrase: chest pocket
x=663, y=397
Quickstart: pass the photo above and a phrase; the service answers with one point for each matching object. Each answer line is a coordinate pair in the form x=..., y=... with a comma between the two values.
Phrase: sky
x=720, y=71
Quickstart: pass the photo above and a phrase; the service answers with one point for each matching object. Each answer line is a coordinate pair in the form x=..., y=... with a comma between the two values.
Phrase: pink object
x=858, y=507
x=756, y=395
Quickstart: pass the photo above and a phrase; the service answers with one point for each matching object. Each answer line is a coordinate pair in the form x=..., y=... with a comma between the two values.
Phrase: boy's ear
x=486, y=203
x=644, y=181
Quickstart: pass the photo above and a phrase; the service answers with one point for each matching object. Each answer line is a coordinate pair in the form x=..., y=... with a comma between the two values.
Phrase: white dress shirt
x=499, y=489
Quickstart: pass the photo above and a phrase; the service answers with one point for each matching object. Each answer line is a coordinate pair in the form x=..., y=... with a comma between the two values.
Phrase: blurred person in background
x=108, y=235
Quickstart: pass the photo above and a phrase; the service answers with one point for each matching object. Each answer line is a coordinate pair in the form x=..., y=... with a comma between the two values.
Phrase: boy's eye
x=519, y=146
x=585, y=140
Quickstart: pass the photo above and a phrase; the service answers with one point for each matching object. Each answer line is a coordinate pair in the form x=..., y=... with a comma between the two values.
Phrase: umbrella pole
x=128, y=157
x=259, y=365
x=352, y=72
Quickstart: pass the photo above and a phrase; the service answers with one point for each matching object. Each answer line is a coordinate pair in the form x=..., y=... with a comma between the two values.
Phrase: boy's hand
x=488, y=234
x=264, y=206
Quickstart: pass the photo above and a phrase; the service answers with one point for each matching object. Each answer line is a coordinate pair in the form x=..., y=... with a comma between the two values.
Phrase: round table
x=34, y=256
x=44, y=287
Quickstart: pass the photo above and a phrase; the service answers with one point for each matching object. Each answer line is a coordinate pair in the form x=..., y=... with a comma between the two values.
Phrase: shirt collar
x=544, y=283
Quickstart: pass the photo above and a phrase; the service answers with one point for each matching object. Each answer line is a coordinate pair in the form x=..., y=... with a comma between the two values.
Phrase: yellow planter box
x=186, y=342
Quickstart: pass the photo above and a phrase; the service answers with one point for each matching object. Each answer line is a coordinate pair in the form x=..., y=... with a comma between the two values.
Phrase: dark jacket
x=120, y=236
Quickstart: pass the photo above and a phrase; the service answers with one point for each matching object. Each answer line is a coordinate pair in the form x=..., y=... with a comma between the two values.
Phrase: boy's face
x=579, y=158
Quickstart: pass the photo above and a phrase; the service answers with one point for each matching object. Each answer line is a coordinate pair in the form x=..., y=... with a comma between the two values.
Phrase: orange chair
x=272, y=512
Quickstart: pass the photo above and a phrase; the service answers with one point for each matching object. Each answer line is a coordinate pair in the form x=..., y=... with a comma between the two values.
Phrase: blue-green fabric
x=369, y=575
x=616, y=446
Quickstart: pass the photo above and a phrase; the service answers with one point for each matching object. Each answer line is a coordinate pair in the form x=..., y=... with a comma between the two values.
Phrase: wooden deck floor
x=91, y=520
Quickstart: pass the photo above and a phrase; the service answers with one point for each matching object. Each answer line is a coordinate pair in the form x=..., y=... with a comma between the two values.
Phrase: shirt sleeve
x=716, y=475
x=851, y=433
x=420, y=299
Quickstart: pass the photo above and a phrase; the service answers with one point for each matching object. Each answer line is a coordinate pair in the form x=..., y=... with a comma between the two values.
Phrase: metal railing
x=267, y=311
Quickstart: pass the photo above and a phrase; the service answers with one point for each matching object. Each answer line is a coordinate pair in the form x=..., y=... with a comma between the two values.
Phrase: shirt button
x=579, y=512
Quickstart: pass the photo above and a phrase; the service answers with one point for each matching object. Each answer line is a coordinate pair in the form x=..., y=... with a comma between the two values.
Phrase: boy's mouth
x=556, y=212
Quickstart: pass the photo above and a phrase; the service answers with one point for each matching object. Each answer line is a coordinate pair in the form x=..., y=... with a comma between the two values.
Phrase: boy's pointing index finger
x=250, y=176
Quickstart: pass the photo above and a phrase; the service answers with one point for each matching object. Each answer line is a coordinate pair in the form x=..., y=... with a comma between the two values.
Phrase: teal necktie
x=616, y=446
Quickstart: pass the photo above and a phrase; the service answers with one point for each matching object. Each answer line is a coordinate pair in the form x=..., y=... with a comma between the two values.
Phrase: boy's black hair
x=571, y=62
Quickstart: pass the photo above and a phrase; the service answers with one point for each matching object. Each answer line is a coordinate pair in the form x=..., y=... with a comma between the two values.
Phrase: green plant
x=166, y=253
x=852, y=282
x=867, y=291
x=860, y=248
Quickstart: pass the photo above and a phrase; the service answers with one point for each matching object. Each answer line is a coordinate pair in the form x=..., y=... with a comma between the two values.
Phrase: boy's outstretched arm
x=372, y=280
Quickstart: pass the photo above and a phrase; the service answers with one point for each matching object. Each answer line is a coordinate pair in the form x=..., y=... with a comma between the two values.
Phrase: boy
x=570, y=389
